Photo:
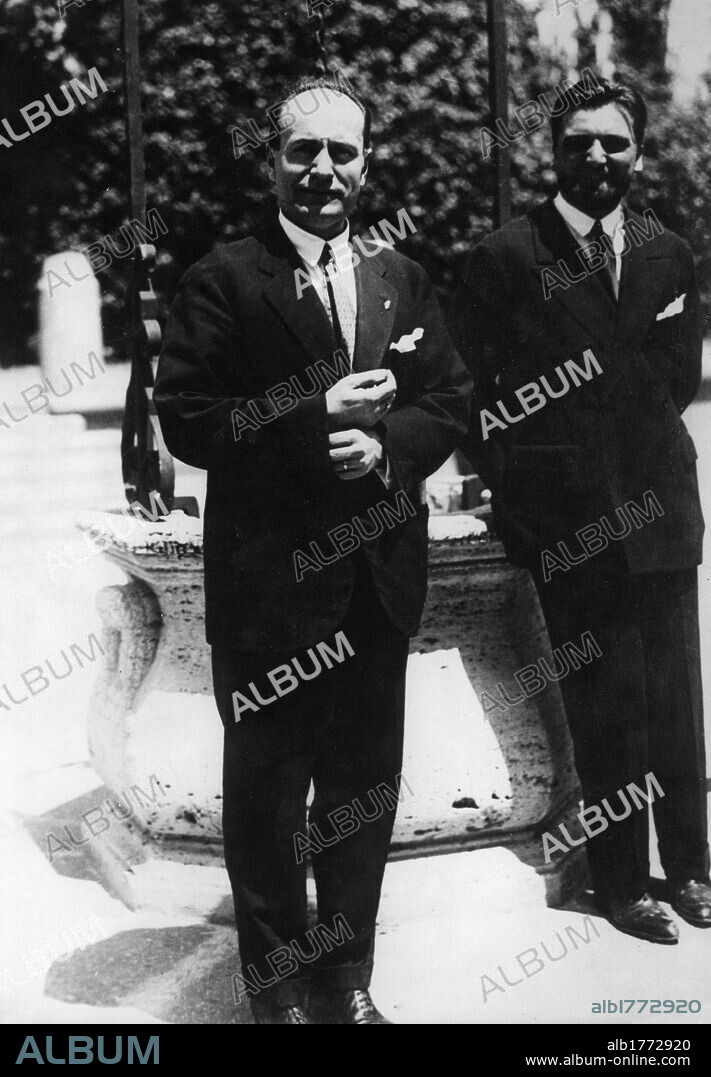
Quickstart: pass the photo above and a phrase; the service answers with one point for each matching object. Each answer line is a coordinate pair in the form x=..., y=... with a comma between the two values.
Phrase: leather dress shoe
x=353, y=1006
x=643, y=919
x=692, y=900
x=269, y=1013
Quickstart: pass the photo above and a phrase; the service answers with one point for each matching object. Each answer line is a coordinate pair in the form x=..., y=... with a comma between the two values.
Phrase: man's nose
x=596, y=153
x=322, y=164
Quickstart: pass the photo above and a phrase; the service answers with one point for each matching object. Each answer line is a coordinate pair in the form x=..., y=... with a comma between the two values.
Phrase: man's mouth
x=592, y=183
x=318, y=196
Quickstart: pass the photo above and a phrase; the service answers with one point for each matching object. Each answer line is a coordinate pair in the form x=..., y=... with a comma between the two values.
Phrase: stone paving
x=462, y=939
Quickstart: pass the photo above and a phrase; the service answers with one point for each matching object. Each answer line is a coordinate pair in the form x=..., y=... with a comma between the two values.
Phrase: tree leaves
x=422, y=66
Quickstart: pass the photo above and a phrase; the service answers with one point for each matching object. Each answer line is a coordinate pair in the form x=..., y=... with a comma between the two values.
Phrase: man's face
x=595, y=159
x=320, y=165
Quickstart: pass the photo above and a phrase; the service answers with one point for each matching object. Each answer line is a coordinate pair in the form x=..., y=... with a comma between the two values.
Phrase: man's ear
x=366, y=161
x=271, y=163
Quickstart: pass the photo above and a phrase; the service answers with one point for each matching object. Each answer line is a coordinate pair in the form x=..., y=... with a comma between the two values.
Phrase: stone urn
x=484, y=764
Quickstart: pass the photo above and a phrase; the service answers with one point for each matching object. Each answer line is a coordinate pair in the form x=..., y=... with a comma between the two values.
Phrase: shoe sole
x=643, y=935
x=690, y=919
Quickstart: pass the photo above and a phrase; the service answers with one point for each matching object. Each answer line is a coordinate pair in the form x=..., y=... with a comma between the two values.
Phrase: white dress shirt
x=309, y=249
x=580, y=225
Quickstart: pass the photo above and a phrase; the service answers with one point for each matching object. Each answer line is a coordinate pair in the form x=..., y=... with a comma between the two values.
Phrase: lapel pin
x=387, y=304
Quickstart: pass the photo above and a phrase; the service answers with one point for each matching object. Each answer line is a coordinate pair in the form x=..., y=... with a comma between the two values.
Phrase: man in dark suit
x=315, y=545
x=581, y=326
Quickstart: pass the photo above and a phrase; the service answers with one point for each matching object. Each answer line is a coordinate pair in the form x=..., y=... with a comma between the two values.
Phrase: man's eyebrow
x=338, y=143
x=597, y=134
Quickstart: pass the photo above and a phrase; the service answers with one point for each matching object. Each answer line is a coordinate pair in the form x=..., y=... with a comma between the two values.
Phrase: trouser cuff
x=692, y=864
x=682, y=875
x=619, y=889
x=286, y=993
x=343, y=977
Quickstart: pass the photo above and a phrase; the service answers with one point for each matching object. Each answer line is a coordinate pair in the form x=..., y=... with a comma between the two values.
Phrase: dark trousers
x=343, y=730
x=635, y=710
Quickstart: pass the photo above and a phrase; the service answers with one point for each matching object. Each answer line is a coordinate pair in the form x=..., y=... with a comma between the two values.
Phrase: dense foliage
x=422, y=65
x=640, y=44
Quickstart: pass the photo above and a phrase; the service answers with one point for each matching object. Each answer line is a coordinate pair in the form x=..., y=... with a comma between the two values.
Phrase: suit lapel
x=620, y=327
x=644, y=272
x=305, y=316
x=586, y=300
x=300, y=309
x=377, y=304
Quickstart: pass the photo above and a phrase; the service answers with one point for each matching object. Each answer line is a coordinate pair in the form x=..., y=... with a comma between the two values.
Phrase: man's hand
x=360, y=399
x=355, y=452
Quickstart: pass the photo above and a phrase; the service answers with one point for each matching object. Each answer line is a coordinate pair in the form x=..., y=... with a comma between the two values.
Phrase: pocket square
x=675, y=307
x=406, y=343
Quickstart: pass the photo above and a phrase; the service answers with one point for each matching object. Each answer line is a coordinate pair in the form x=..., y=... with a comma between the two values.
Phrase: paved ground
x=463, y=938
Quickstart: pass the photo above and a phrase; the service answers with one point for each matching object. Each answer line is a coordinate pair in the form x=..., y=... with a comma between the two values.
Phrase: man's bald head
x=304, y=96
x=319, y=160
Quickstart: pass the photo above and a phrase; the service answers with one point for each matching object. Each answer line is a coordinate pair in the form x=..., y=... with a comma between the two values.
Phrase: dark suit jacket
x=614, y=437
x=236, y=330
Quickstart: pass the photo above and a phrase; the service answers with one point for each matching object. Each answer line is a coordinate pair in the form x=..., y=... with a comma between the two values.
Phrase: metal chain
x=320, y=46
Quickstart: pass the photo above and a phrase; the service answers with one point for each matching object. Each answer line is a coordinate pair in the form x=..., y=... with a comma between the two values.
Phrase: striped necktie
x=340, y=308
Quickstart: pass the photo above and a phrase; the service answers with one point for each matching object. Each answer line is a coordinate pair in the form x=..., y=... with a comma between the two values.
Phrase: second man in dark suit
x=581, y=326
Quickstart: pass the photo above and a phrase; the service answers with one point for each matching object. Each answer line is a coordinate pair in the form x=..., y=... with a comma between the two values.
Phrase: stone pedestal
x=152, y=710
x=493, y=765
x=473, y=777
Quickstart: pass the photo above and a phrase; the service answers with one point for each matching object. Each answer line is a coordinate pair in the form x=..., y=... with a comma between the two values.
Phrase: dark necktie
x=329, y=267
x=608, y=272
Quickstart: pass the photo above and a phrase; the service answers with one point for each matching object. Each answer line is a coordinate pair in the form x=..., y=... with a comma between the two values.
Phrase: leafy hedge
x=422, y=65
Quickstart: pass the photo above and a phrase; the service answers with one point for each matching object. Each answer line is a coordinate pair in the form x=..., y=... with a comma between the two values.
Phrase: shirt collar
x=309, y=246
x=582, y=224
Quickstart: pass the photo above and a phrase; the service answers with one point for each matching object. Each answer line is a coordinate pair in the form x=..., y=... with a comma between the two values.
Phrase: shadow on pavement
x=179, y=974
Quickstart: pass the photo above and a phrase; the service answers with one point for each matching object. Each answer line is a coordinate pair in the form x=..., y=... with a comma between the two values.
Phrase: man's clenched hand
x=360, y=399
x=355, y=452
